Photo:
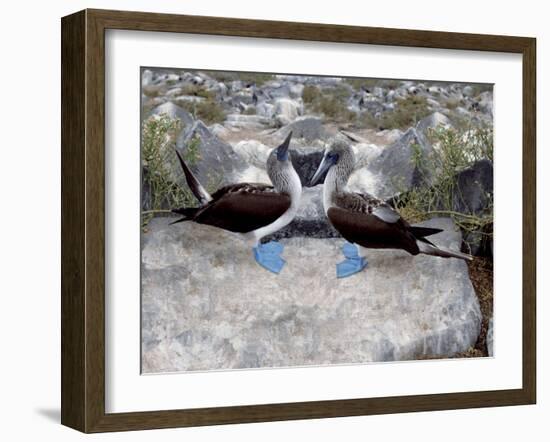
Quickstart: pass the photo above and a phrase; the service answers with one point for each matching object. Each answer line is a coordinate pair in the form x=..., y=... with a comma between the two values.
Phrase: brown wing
x=368, y=230
x=243, y=207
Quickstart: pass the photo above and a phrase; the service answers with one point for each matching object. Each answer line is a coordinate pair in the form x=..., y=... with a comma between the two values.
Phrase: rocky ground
x=228, y=123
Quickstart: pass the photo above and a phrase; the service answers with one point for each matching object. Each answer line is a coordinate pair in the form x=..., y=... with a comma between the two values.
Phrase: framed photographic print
x=269, y=220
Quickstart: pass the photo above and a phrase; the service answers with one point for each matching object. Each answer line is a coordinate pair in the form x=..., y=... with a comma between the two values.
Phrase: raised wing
x=243, y=207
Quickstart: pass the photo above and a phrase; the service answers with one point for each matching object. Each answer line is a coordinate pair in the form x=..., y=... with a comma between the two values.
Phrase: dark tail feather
x=200, y=193
x=422, y=232
x=187, y=212
x=428, y=248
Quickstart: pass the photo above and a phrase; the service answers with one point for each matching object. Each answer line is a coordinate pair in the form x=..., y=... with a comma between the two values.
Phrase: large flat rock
x=206, y=304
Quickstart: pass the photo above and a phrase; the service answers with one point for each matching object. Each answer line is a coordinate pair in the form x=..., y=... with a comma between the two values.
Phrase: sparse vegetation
x=151, y=91
x=481, y=87
x=452, y=103
x=310, y=93
x=159, y=161
x=250, y=111
x=407, y=113
x=369, y=83
x=333, y=108
x=258, y=79
x=454, y=151
x=331, y=102
x=207, y=110
x=198, y=91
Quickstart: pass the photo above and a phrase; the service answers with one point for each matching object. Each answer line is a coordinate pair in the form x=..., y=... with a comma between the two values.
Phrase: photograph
x=304, y=220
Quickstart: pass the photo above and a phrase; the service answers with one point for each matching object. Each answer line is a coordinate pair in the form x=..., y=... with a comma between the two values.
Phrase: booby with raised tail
x=364, y=220
x=251, y=209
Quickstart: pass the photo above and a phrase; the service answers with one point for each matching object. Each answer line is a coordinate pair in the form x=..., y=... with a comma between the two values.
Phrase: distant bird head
x=340, y=155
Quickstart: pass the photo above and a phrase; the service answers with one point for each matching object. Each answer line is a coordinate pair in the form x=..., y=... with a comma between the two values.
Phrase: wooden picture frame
x=83, y=220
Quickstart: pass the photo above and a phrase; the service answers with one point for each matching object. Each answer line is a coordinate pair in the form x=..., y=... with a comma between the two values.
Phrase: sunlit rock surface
x=207, y=305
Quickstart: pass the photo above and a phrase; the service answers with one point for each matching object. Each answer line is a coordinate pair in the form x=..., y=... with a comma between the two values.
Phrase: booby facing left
x=251, y=209
x=364, y=220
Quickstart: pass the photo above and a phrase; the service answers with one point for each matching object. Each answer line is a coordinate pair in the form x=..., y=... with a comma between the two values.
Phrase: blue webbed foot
x=268, y=256
x=353, y=262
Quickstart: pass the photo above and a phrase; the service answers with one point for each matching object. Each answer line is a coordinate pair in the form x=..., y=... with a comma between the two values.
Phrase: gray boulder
x=253, y=152
x=468, y=91
x=474, y=188
x=199, y=313
x=309, y=128
x=473, y=195
x=485, y=103
x=245, y=97
x=243, y=121
x=217, y=163
x=433, y=121
x=286, y=111
x=394, y=170
x=280, y=90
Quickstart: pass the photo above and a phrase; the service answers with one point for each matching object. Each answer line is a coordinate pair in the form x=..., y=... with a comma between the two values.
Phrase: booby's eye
x=332, y=156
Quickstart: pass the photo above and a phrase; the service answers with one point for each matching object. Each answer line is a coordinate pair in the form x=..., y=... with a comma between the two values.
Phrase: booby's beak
x=282, y=150
x=327, y=162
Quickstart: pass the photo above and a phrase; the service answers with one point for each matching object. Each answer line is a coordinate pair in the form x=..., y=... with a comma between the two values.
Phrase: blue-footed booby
x=251, y=209
x=364, y=220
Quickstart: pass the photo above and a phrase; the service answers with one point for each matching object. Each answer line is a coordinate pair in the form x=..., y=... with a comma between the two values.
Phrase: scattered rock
x=485, y=102
x=296, y=90
x=147, y=77
x=250, y=122
x=199, y=314
x=286, y=111
x=468, y=91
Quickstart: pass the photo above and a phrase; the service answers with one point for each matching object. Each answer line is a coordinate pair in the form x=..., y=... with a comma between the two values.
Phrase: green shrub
x=198, y=91
x=250, y=111
x=407, y=113
x=333, y=109
x=452, y=103
x=257, y=79
x=208, y=110
x=369, y=83
x=248, y=77
x=331, y=102
x=310, y=93
x=159, y=163
x=455, y=151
